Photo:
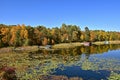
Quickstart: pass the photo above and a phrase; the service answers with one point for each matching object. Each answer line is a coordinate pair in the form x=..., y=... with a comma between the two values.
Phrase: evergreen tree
x=87, y=34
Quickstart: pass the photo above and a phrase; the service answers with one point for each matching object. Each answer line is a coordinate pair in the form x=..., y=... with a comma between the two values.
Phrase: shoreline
x=75, y=44
x=55, y=46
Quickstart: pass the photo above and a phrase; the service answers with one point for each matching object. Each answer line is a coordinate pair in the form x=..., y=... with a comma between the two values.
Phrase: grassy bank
x=69, y=45
x=56, y=46
x=19, y=49
x=102, y=42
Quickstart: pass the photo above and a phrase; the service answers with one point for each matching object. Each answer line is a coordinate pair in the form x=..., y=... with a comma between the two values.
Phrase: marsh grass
x=67, y=45
x=70, y=45
x=30, y=66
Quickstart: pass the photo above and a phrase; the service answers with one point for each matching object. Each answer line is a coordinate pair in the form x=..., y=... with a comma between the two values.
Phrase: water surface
x=86, y=62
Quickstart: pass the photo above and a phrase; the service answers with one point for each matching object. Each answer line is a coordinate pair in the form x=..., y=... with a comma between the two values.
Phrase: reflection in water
x=78, y=61
x=76, y=71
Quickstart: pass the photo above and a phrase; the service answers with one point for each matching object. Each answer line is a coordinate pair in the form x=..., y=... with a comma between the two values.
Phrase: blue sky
x=96, y=14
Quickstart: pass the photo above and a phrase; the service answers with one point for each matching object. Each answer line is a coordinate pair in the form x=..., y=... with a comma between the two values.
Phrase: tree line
x=22, y=35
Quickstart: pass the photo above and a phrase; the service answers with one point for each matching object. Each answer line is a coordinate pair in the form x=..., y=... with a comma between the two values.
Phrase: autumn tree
x=82, y=37
x=37, y=37
x=24, y=35
x=92, y=36
x=45, y=41
x=55, y=35
x=21, y=35
x=5, y=36
x=63, y=31
x=14, y=36
x=70, y=33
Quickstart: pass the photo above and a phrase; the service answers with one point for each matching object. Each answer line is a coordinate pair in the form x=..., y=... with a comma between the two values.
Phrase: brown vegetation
x=54, y=77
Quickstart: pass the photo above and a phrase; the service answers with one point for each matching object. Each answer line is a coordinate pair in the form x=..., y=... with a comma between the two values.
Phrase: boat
x=87, y=43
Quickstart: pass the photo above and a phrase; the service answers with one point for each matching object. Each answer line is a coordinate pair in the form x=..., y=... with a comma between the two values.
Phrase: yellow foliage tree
x=45, y=41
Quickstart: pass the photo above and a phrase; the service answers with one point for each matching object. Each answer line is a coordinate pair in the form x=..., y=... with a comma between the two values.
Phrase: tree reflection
x=44, y=62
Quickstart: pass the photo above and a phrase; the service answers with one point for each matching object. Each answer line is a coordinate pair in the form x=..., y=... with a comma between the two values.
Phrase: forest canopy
x=22, y=35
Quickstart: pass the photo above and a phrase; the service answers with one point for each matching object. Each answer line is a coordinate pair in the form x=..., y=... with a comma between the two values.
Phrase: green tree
x=17, y=39
x=30, y=34
x=87, y=34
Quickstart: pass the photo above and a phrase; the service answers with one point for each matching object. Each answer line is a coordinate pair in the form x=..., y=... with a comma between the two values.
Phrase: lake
x=96, y=62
